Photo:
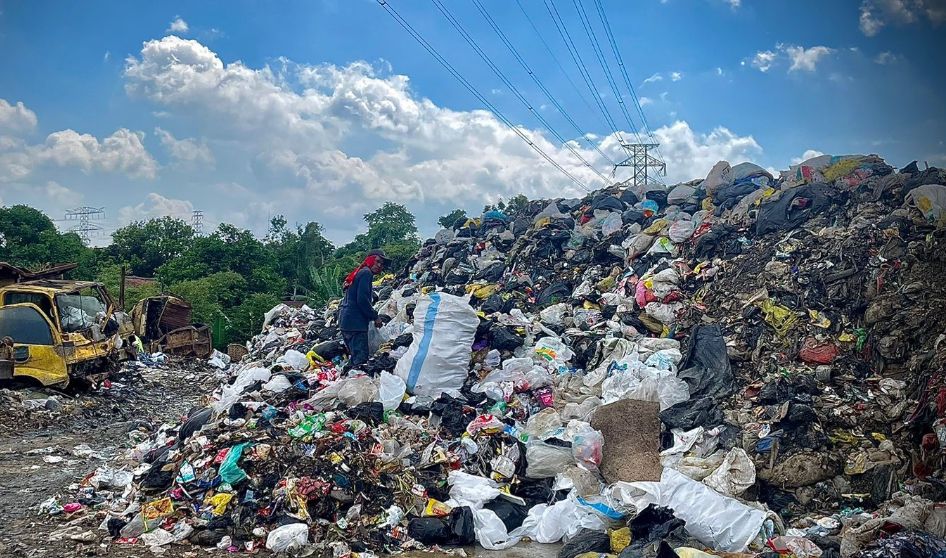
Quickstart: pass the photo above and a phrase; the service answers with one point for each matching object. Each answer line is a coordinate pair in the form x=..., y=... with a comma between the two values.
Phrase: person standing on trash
x=356, y=313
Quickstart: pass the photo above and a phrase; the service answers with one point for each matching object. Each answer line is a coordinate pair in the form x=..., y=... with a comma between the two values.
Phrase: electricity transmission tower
x=86, y=218
x=197, y=222
x=640, y=160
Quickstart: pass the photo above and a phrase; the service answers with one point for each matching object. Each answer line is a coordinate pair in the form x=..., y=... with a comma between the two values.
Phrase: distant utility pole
x=640, y=160
x=86, y=225
x=197, y=222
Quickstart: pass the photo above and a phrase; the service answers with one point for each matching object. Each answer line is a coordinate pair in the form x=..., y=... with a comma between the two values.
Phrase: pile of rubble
x=740, y=364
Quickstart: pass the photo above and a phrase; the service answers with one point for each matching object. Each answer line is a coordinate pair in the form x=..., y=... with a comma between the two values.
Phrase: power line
x=620, y=60
x=499, y=73
x=582, y=69
x=463, y=81
x=596, y=47
x=525, y=66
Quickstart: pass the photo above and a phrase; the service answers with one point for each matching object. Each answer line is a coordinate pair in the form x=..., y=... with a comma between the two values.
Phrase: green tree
x=28, y=238
x=147, y=245
x=391, y=223
x=517, y=203
x=213, y=295
x=451, y=219
x=246, y=320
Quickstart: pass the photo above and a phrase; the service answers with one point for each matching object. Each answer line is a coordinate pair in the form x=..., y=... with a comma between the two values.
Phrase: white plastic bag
x=734, y=476
x=278, y=384
x=438, y=358
x=288, y=537
x=375, y=339
x=293, y=359
x=471, y=490
x=719, y=522
x=391, y=391
x=491, y=532
x=229, y=394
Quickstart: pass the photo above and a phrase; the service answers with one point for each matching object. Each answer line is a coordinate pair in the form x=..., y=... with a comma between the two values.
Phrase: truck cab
x=61, y=329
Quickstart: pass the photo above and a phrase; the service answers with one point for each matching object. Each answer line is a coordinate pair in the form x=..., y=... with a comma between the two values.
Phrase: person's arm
x=363, y=296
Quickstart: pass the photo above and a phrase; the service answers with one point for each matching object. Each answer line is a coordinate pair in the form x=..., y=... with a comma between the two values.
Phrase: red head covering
x=369, y=262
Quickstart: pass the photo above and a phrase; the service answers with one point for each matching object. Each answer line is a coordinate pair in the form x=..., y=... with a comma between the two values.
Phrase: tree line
x=229, y=276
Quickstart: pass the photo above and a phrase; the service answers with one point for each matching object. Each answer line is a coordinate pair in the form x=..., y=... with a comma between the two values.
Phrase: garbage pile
x=740, y=364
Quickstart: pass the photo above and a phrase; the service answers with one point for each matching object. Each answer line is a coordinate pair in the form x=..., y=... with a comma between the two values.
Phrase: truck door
x=37, y=347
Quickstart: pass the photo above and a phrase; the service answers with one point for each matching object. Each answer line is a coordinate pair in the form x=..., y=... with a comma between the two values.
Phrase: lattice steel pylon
x=640, y=160
x=197, y=222
x=86, y=217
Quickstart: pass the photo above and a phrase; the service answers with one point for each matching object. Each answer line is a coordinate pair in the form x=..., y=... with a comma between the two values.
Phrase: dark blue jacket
x=355, y=312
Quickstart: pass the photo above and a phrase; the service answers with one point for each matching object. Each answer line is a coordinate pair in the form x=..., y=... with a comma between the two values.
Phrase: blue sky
x=323, y=110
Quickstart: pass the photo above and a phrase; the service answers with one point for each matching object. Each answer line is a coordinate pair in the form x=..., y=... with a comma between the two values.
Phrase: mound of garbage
x=740, y=364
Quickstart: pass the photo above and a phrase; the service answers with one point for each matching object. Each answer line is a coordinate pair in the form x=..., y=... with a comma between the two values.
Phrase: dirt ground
x=44, y=455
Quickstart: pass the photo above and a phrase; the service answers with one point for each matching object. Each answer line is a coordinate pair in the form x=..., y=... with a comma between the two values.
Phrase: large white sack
x=719, y=522
x=438, y=358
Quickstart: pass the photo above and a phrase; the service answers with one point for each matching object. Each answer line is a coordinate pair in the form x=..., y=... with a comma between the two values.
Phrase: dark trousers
x=357, y=343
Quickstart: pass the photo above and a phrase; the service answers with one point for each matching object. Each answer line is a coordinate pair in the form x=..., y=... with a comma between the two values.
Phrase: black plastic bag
x=654, y=523
x=461, y=527
x=429, y=530
x=194, y=423
x=512, y=515
x=706, y=368
x=687, y=415
x=556, y=292
x=369, y=412
x=793, y=208
x=587, y=540
x=503, y=339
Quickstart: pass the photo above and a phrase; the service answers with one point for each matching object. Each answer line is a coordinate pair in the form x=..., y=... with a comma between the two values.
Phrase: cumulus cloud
x=154, y=206
x=178, y=25
x=764, y=60
x=734, y=4
x=185, y=151
x=806, y=59
x=644, y=101
x=16, y=118
x=689, y=154
x=343, y=139
x=121, y=152
x=877, y=14
x=676, y=76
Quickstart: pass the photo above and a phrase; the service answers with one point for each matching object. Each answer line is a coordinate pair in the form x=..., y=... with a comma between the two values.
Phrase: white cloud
x=885, y=58
x=653, y=78
x=690, y=155
x=178, y=25
x=121, y=152
x=341, y=140
x=156, y=205
x=60, y=195
x=808, y=154
x=806, y=59
x=185, y=151
x=764, y=60
x=676, y=76
x=16, y=119
x=734, y=4
x=646, y=101
x=877, y=14
x=719, y=71
x=107, y=56
x=801, y=58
